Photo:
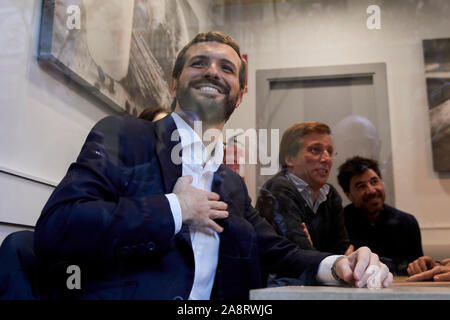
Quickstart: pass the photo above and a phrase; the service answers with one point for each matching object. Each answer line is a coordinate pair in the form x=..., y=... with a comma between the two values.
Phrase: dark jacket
x=110, y=216
x=395, y=236
x=326, y=227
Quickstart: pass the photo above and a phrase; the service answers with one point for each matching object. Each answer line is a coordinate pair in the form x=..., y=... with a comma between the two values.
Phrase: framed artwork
x=121, y=51
x=437, y=74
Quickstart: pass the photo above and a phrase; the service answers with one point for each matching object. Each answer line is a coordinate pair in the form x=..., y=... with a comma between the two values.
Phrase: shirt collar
x=194, y=152
x=302, y=185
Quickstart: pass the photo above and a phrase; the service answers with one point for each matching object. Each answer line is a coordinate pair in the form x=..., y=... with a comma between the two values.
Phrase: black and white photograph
x=437, y=73
x=122, y=51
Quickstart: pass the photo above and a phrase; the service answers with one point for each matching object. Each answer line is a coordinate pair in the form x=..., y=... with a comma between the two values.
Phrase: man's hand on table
x=363, y=268
x=425, y=268
x=438, y=273
x=421, y=264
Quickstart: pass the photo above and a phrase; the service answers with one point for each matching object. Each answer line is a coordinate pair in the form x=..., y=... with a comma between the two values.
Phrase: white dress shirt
x=205, y=243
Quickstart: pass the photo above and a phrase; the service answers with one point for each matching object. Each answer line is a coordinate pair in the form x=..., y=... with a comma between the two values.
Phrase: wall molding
x=28, y=177
x=16, y=225
x=443, y=227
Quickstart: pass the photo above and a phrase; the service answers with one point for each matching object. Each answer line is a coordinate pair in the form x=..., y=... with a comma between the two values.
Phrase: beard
x=204, y=108
x=371, y=208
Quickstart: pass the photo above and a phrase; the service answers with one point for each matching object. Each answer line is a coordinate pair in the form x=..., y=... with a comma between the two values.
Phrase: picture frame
x=437, y=75
x=121, y=51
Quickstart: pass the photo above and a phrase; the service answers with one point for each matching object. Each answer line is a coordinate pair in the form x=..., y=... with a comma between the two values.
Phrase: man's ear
x=349, y=196
x=239, y=99
x=288, y=160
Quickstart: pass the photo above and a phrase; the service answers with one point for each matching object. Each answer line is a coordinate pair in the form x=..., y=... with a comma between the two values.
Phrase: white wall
x=44, y=119
x=293, y=34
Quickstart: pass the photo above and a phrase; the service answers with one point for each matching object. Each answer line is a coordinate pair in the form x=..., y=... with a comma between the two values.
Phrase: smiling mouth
x=322, y=171
x=209, y=89
x=373, y=198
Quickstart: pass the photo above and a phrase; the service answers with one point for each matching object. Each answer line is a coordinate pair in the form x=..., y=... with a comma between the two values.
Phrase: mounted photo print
x=121, y=51
x=437, y=74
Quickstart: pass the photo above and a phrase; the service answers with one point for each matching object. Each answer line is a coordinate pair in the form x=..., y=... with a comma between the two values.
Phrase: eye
x=374, y=181
x=227, y=69
x=198, y=63
x=315, y=150
x=331, y=152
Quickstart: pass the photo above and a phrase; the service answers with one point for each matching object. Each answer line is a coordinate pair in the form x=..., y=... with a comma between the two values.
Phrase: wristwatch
x=333, y=269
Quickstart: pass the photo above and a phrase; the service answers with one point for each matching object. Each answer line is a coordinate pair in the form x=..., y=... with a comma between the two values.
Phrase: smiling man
x=307, y=209
x=392, y=234
x=142, y=226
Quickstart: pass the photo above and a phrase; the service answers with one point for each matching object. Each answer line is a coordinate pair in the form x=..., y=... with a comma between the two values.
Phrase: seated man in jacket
x=148, y=211
x=394, y=235
x=298, y=201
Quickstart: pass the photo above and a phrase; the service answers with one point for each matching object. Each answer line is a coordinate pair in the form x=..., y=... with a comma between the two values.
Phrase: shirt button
x=151, y=246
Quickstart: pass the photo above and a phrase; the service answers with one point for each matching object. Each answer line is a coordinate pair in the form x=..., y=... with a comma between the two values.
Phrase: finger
x=422, y=265
x=372, y=268
x=423, y=276
x=218, y=205
x=344, y=271
x=412, y=269
x=418, y=268
x=384, y=274
x=212, y=196
x=388, y=281
x=216, y=214
x=380, y=276
x=350, y=250
x=429, y=262
x=442, y=277
x=214, y=226
x=305, y=230
x=409, y=269
x=415, y=268
x=363, y=258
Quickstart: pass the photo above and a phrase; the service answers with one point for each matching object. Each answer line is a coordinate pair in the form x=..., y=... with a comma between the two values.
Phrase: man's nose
x=212, y=70
x=326, y=156
x=371, y=189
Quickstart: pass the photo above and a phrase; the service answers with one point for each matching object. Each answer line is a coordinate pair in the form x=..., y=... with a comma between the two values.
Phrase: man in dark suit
x=148, y=212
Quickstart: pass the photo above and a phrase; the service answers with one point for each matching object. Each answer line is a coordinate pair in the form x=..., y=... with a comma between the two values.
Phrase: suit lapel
x=227, y=237
x=170, y=171
x=218, y=187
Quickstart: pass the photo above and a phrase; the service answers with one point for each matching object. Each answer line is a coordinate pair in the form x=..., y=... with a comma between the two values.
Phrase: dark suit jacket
x=110, y=216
